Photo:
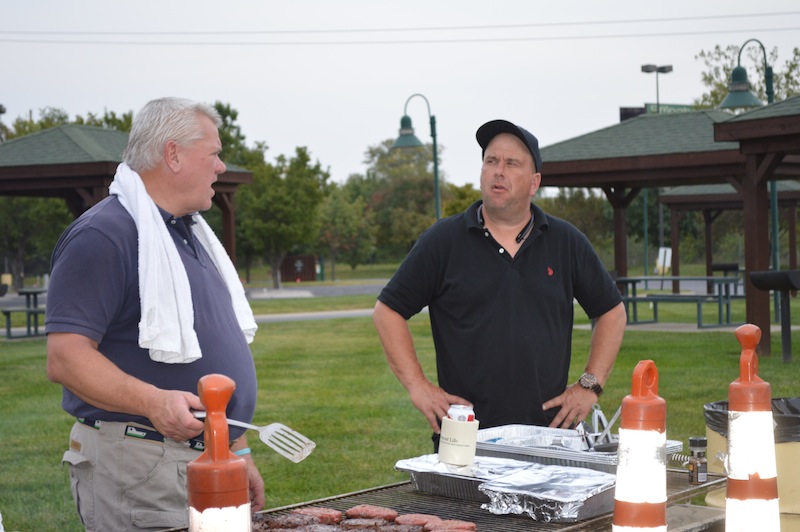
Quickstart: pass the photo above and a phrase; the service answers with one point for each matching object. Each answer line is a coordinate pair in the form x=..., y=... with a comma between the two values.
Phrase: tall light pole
x=739, y=96
x=648, y=69
x=407, y=139
x=664, y=69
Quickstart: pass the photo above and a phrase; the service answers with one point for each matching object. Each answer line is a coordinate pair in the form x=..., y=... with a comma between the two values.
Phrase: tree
x=721, y=61
x=278, y=210
x=234, y=148
x=109, y=120
x=402, y=195
x=31, y=227
x=347, y=229
x=48, y=117
x=459, y=198
x=588, y=212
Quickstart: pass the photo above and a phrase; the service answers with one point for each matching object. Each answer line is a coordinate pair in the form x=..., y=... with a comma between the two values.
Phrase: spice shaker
x=698, y=463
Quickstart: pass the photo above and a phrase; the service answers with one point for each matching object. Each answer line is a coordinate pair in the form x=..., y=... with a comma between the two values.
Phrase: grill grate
x=403, y=499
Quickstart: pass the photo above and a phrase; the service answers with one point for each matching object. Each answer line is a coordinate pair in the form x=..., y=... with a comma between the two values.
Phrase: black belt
x=143, y=433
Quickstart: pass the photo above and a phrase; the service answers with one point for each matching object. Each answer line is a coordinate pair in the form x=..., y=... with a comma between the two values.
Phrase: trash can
x=786, y=417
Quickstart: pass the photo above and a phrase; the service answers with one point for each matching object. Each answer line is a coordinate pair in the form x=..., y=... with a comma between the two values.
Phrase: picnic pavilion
x=695, y=148
x=77, y=163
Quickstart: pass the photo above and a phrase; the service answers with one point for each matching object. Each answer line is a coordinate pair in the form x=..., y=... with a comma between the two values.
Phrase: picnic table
x=721, y=295
x=729, y=268
x=31, y=310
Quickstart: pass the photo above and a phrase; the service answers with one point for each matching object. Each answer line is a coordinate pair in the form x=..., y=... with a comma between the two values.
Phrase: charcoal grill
x=404, y=499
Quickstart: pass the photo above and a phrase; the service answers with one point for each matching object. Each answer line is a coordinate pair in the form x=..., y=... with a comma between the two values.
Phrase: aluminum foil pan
x=551, y=493
x=520, y=442
x=429, y=475
x=507, y=486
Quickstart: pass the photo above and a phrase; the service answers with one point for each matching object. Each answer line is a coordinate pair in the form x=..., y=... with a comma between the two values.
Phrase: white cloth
x=167, y=324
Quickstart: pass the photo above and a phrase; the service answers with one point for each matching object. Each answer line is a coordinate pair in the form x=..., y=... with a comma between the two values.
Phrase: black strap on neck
x=522, y=234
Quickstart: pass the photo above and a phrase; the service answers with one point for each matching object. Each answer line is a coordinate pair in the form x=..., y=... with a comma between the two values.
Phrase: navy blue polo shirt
x=94, y=292
x=502, y=326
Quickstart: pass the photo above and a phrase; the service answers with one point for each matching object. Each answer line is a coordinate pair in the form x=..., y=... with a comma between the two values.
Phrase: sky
x=335, y=76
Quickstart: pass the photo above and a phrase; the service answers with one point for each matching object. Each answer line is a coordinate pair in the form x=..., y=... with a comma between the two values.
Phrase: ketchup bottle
x=218, y=487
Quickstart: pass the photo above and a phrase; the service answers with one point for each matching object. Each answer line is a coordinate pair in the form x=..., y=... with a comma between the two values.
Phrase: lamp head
x=739, y=94
x=407, y=139
x=664, y=69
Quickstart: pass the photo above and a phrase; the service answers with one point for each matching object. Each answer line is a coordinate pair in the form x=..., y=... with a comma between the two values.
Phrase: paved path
x=373, y=287
x=368, y=287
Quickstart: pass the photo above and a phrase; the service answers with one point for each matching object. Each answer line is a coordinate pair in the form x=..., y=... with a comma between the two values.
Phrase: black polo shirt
x=502, y=326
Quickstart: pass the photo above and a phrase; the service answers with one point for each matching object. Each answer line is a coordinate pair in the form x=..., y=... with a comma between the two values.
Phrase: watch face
x=589, y=382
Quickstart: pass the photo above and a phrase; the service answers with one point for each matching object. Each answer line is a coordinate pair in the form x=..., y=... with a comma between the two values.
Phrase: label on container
x=457, y=442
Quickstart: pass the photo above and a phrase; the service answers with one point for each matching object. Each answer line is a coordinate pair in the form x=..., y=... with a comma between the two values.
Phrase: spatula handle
x=199, y=414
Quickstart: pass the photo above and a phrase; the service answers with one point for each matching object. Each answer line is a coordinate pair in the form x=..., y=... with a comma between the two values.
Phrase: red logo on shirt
x=549, y=271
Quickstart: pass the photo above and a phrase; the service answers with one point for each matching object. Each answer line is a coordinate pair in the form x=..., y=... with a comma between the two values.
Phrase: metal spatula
x=279, y=437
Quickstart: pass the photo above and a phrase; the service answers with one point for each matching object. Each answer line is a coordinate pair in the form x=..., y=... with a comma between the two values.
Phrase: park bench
x=31, y=320
x=723, y=304
x=632, y=309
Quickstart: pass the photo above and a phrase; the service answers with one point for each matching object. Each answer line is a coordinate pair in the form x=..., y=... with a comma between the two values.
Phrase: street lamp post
x=407, y=139
x=647, y=69
x=739, y=96
x=664, y=69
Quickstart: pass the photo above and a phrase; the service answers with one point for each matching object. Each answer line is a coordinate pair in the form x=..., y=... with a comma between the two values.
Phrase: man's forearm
x=606, y=342
x=398, y=346
x=75, y=362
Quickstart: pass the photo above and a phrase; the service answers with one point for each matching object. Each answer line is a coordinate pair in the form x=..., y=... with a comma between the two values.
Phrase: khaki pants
x=122, y=483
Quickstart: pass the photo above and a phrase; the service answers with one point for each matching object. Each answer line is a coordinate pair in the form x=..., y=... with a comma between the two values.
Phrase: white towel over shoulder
x=167, y=324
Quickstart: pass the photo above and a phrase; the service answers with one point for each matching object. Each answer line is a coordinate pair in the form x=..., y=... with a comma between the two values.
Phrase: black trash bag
x=785, y=414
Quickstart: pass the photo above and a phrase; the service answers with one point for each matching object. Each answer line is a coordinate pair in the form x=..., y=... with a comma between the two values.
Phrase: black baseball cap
x=490, y=130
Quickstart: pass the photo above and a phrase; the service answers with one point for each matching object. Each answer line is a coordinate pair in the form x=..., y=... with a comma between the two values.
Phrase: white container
x=457, y=442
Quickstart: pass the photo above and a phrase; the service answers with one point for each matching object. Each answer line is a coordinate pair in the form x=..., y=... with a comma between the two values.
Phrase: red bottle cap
x=643, y=409
x=749, y=393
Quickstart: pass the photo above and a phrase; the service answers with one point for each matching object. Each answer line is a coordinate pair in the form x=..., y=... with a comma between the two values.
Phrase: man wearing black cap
x=499, y=281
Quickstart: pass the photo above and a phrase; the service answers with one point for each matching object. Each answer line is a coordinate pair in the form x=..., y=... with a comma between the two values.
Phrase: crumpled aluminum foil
x=551, y=493
x=547, y=493
x=483, y=467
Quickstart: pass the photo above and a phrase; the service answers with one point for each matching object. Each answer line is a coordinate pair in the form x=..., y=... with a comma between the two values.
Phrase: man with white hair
x=143, y=301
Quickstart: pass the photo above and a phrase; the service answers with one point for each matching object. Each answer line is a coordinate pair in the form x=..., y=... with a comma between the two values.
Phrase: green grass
x=313, y=304
x=329, y=380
